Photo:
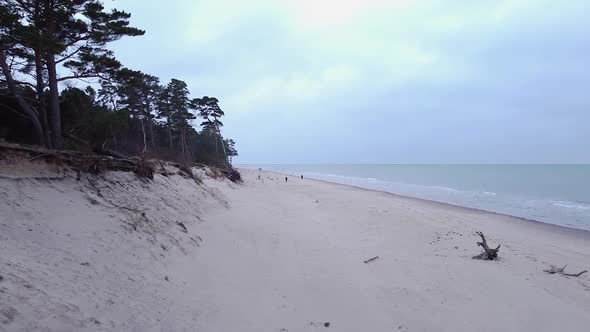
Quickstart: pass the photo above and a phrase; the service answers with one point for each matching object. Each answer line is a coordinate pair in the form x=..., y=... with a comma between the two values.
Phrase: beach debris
x=317, y=201
x=166, y=278
x=324, y=324
x=561, y=270
x=487, y=254
x=94, y=320
x=1, y=278
x=371, y=259
x=93, y=201
x=7, y=315
x=184, y=229
x=195, y=241
x=85, y=264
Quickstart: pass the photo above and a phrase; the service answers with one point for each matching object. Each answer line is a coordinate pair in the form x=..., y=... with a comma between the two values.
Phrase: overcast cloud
x=376, y=81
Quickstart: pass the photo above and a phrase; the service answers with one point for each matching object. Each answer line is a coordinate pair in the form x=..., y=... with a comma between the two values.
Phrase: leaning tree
x=47, y=37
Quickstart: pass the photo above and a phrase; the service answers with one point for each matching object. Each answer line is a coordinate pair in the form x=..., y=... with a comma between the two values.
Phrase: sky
x=379, y=81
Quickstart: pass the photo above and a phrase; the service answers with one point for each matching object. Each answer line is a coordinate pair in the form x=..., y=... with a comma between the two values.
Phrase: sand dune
x=273, y=256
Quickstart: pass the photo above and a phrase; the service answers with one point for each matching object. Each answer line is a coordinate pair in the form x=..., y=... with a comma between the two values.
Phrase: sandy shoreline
x=267, y=255
x=303, y=262
x=536, y=223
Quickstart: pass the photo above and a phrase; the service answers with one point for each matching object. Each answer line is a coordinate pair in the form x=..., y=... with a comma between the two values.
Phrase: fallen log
x=488, y=253
x=561, y=270
x=95, y=149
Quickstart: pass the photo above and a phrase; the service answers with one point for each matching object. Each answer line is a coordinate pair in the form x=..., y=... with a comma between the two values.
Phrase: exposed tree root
x=144, y=169
x=85, y=162
x=233, y=175
x=226, y=171
x=186, y=172
x=101, y=160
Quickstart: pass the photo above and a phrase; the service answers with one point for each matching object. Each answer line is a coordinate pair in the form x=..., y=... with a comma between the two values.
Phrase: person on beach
x=258, y=176
x=286, y=178
x=301, y=176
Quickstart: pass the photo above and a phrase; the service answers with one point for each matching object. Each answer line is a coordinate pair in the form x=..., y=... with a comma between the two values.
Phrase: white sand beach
x=268, y=255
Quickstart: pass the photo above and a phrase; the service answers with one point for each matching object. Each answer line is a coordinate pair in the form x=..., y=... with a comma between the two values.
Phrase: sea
x=555, y=194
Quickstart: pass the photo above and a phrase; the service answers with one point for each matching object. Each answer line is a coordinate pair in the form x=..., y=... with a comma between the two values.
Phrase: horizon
x=380, y=81
x=412, y=164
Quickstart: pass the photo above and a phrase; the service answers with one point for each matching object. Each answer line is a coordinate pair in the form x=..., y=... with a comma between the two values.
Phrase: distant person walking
x=286, y=178
x=301, y=176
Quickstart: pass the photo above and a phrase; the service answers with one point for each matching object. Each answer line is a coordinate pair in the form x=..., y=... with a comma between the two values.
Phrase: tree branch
x=33, y=115
x=74, y=42
x=69, y=55
x=65, y=78
x=14, y=111
x=24, y=6
x=21, y=82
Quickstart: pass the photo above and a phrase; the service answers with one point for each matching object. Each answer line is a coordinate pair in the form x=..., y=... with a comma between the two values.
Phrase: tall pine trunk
x=55, y=112
x=168, y=122
x=151, y=131
x=40, y=85
x=216, y=144
x=42, y=107
x=26, y=108
x=183, y=144
x=222, y=145
x=144, y=136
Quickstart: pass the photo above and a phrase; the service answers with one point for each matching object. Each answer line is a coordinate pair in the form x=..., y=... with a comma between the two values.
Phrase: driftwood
x=561, y=270
x=487, y=254
x=370, y=260
x=184, y=229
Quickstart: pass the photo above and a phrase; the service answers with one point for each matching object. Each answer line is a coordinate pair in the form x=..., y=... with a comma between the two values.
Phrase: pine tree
x=63, y=34
x=173, y=105
x=208, y=108
x=138, y=92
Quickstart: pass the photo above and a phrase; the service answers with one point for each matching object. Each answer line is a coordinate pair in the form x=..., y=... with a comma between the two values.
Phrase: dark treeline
x=47, y=45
